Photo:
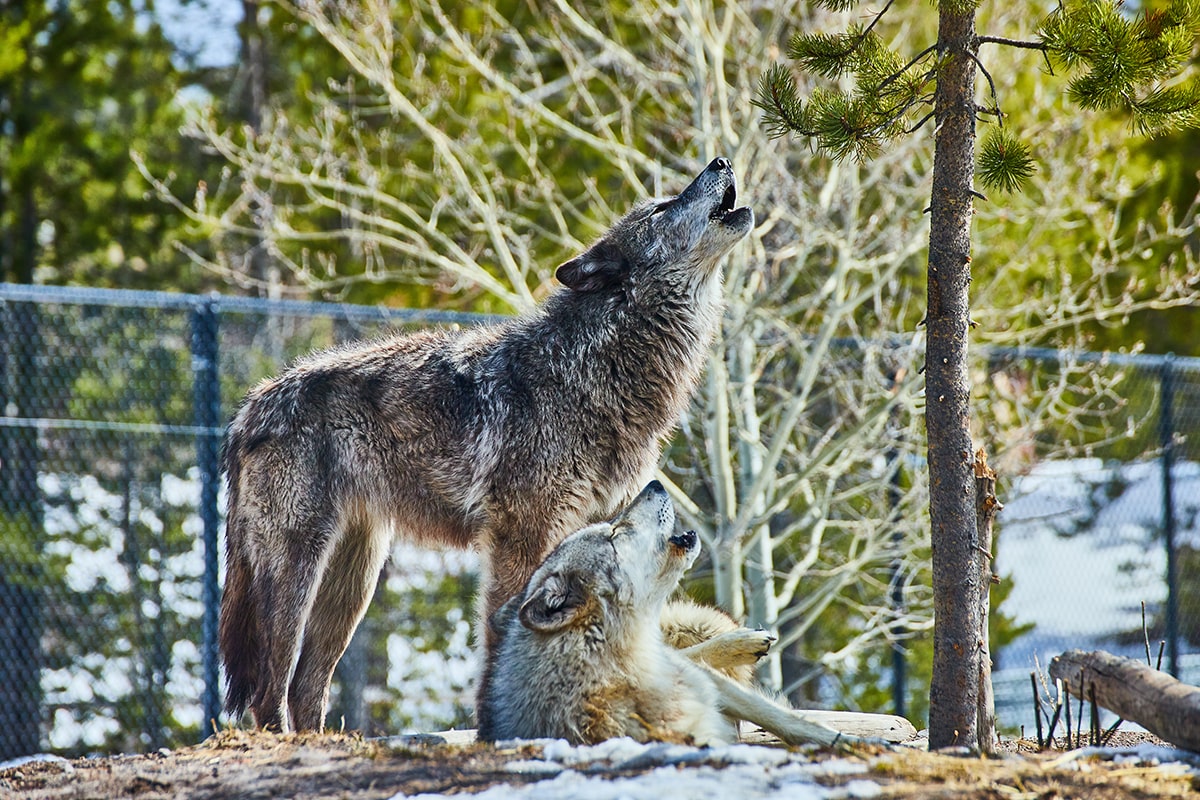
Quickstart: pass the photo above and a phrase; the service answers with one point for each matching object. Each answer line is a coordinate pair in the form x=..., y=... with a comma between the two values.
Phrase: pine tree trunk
x=954, y=688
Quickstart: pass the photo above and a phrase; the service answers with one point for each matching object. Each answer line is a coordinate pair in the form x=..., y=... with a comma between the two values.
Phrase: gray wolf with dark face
x=504, y=439
x=581, y=653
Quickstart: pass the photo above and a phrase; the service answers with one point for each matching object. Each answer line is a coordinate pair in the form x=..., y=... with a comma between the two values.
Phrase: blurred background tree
x=81, y=85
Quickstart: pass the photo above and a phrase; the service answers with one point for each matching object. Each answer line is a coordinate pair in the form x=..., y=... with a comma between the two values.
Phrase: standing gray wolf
x=581, y=654
x=504, y=439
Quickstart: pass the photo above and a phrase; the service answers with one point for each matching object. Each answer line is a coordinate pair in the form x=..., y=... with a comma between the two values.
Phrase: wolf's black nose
x=719, y=164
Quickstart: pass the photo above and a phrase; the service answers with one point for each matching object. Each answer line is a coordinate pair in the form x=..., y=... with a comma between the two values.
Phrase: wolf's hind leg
x=289, y=576
x=341, y=601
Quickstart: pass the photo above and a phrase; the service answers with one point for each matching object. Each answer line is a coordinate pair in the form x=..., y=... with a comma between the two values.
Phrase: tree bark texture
x=986, y=508
x=1135, y=691
x=954, y=688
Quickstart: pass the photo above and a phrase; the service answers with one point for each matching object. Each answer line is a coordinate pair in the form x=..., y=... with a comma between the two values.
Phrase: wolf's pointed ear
x=553, y=604
x=598, y=268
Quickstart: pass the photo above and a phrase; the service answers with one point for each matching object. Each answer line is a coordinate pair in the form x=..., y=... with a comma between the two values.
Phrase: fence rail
x=112, y=406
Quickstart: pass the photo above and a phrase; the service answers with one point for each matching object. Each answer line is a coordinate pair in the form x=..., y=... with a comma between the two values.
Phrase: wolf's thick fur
x=581, y=654
x=505, y=439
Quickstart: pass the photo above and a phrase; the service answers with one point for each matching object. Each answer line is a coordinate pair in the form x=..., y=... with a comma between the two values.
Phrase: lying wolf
x=504, y=439
x=581, y=654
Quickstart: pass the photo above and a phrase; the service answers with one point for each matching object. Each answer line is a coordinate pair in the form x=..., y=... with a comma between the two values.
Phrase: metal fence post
x=23, y=589
x=1166, y=437
x=207, y=407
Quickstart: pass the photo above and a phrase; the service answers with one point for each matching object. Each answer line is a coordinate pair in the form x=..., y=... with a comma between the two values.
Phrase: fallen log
x=1134, y=691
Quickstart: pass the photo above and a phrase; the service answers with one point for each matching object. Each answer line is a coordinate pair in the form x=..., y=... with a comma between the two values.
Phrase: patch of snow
x=1082, y=542
x=533, y=767
x=181, y=492
x=857, y=789
x=744, y=771
x=430, y=685
x=613, y=751
x=749, y=781
x=1172, y=759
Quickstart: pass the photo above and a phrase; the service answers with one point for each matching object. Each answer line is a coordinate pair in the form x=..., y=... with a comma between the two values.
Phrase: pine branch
x=1167, y=109
x=878, y=17
x=1010, y=43
x=912, y=63
x=830, y=55
x=783, y=110
x=991, y=85
x=837, y=5
x=921, y=122
x=1126, y=59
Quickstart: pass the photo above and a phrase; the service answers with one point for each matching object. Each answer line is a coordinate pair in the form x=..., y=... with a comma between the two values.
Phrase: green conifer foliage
x=1120, y=61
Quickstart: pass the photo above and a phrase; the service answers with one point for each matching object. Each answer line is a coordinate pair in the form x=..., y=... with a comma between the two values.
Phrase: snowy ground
x=743, y=771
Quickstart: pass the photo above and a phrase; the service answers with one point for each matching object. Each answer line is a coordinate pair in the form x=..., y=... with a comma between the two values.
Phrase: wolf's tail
x=240, y=628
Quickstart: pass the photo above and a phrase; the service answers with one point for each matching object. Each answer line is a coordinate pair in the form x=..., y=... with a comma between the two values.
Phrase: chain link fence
x=112, y=406
x=1100, y=534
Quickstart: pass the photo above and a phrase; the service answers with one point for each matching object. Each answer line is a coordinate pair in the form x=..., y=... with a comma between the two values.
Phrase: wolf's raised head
x=613, y=572
x=676, y=240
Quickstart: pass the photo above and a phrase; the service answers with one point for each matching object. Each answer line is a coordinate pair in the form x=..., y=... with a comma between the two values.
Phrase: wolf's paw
x=759, y=641
x=743, y=646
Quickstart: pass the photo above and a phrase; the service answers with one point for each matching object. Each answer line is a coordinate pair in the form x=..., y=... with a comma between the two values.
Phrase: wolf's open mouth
x=726, y=205
x=724, y=210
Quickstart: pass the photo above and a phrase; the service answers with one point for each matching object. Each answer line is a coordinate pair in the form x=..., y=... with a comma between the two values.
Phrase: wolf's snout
x=685, y=541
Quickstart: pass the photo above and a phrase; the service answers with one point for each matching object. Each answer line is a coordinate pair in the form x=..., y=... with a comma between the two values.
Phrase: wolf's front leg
x=733, y=649
x=788, y=724
x=507, y=566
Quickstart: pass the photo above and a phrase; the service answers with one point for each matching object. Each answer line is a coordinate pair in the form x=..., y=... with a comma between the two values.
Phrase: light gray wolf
x=581, y=655
x=502, y=438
